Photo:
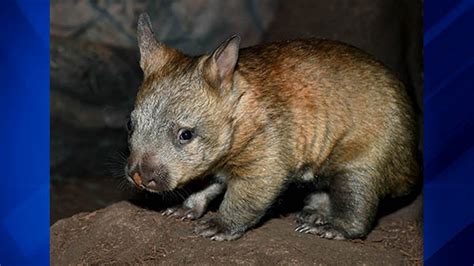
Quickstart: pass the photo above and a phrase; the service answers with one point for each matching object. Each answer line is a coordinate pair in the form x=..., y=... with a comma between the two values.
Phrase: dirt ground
x=134, y=232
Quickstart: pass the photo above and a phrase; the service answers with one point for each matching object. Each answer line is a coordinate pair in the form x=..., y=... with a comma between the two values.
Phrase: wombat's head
x=181, y=125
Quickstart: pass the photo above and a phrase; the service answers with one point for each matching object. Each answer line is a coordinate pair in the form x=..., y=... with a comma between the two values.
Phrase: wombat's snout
x=146, y=175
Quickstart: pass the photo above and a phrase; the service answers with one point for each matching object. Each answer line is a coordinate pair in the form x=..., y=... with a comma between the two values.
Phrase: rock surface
x=194, y=26
x=92, y=92
x=124, y=233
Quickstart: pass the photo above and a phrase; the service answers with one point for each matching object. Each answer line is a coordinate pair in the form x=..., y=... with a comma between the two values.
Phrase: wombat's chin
x=158, y=190
x=158, y=187
x=153, y=190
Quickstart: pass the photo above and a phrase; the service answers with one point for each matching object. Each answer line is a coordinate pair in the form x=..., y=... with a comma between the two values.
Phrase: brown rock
x=195, y=26
x=126, y=234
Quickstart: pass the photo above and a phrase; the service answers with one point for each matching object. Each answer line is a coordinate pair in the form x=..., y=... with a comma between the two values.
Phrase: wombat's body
x=301, y=111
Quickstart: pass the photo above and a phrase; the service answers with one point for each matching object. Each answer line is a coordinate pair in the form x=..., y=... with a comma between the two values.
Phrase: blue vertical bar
x=449, y=132
x=24, y=132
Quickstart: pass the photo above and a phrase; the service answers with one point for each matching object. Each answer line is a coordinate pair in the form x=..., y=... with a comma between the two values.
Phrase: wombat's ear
x=153, y=54
x=221, y=64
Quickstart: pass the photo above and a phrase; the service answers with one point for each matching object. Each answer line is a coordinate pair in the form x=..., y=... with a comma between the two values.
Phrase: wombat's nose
x=150, y=176
x=134, y=173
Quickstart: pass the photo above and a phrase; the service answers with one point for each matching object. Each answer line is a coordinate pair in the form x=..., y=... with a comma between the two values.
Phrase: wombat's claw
x=303, y=228
x=181, y=213
x=169, y=211
x=225, y=237
x=324, y=231
x=306, y=217
x=213, y=229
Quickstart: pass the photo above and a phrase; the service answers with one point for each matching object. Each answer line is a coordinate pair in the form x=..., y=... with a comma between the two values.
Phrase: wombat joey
x=259, y=118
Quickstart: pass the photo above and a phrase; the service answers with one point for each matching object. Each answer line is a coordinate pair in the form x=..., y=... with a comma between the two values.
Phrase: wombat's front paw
x=183, y=213
x=215, y=229
x=310, y=217
x=324, y=231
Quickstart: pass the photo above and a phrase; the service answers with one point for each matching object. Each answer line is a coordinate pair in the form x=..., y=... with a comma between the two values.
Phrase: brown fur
x=327, y=99
x=285, y=112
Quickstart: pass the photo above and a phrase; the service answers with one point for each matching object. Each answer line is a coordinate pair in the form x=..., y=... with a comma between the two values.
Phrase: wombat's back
x=333, y=104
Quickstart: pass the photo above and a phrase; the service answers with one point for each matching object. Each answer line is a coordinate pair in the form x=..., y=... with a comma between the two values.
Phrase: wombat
x=260, y=118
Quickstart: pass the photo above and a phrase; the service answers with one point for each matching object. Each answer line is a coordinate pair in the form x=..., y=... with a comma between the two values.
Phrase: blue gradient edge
x=24, y=138
x=448, y=132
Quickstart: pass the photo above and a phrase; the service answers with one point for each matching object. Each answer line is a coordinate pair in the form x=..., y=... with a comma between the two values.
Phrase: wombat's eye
x=185, y=135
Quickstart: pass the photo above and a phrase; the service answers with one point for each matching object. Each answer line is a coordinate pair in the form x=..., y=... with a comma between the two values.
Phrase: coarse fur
x=262, y=117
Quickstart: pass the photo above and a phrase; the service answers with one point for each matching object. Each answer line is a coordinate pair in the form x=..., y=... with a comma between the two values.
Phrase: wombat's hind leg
x=316, y=209
x=353, y=201
x=196, y=204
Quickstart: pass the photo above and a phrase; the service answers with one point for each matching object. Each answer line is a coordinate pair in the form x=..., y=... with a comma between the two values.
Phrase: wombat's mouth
x=154, y=185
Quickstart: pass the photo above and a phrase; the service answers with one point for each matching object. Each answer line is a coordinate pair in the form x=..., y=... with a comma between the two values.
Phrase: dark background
x=95, y=73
